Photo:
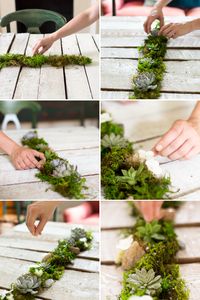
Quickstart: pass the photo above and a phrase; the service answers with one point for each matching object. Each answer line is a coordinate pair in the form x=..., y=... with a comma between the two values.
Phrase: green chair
x=10, y=109
x=33, y=19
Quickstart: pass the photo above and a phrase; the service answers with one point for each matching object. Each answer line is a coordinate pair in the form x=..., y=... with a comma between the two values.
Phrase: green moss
x=39, y=60
x=110, y=127
x=71, y=186
x=159, y=256
x=153, y=52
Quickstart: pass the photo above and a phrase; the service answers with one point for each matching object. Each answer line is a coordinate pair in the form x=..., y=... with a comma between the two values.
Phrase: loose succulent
x=145, y=81
x=155, y=28
x=144, y=280
x=130, y=176
x=28, y=283
x=30, y=135
x=150, y=232
x=113, y=140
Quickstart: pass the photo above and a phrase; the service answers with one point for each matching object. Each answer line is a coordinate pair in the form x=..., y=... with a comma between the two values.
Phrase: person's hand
x=182, y=141
x=150, y=210
x=24, y=158
x=156, y=14
x=43, y=45
x=174, y=30
x=41, y=211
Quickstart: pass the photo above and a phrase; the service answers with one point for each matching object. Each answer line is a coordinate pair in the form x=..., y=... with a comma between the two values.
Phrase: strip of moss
x=159, y=257
x=71, y=186
x=151, y=68
x=119, y=158
x=44, y=274
x=37, y=61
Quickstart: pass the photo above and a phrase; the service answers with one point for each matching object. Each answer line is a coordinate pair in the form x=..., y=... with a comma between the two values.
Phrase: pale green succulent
x=130, y=176
x=28, y=283
x=144, y=280
x=147, y=60
x=155, y=28
x=30, y=135
x=145, y=81
x=113, y=140
x=61, y=168
x=150, y=232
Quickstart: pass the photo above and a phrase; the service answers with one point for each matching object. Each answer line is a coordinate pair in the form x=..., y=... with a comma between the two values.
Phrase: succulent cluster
x=126, y=173
x=63, y=177
x=145, y=81
x=150, y=232
x=151, y=68
x=144, y=280
x=43, y=275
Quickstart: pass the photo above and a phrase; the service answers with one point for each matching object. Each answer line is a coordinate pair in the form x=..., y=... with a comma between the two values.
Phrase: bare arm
x=81, y=21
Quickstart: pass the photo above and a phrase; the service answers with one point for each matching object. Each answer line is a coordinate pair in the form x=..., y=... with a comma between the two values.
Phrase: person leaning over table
x=81, y=21
x=172, y=30
x=182, y=140
x=21, y=157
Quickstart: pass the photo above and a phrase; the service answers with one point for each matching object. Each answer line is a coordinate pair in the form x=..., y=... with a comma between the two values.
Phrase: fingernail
x=159, y=147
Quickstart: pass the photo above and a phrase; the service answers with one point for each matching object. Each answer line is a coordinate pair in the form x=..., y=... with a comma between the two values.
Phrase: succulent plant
x=61, y=168
x=150, y=232
x=30, y=135
x=155, y=28
x=144, y=280
x=145, y=81
x=79, y=238
x=48, y=283
x=113, y=140
x=130, y=176
x=28, y=283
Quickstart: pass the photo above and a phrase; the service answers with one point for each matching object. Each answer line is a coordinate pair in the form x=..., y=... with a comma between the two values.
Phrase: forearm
x=195, y=24
x=161, y=3
x=81, y=21
x=6, y=144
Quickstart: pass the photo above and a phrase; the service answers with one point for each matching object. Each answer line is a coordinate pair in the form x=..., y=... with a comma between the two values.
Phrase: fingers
x=182, y=151
x=30, y=220
x=40, y=226
x=169, y=137
x=37, y=47
x=174, y=145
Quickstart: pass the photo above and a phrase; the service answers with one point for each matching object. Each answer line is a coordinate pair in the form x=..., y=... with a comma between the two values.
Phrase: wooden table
x=145, y=122
x=77, y=144
x=19, y=250
x=121, y=37
x=72, y=82
x=116, y=216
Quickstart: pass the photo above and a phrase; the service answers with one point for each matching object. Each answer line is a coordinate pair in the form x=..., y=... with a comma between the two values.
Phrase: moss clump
x=151, y=68
x=121, y=175
x=70, y=185
x=159, y=257
x=37, y=61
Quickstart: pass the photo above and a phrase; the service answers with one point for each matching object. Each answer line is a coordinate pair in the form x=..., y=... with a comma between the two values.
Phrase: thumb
x=41, y=225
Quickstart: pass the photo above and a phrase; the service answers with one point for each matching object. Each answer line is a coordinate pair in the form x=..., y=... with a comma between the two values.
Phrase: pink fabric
x=107, y=5
x=194, y=12
x=129, y=9
x=85, y=213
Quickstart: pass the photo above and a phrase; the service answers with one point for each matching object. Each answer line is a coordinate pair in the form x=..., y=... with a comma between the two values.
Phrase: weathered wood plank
x=67, y=288
x=52, y=84
x=35, y=256
x=77, y=84
x=88, y=48
x=42, y=191
x=133, y=53
x=29, y=78
x=5, y=42
x=9, y=76
x=180, y=76
x=121, y=217
x=190, y=236
x=63, y=138
x=96, y=38
x=117, y=95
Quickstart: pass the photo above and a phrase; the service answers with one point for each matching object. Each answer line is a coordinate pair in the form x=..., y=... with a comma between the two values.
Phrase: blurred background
x=14, y=212
x=44, y=114
x=143, y=7
x=67, y=8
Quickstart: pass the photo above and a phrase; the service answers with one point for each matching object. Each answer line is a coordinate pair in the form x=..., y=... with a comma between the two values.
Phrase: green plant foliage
x=37, y=61
x=122, y=176
x=151, y=68
x=59, y=173
x=155, y=273
x=45, y=273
